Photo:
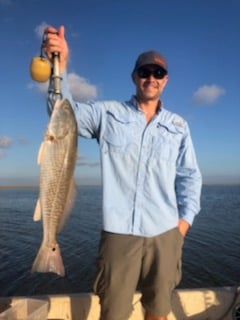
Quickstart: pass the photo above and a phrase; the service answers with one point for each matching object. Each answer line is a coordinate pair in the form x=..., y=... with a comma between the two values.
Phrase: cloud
x=5, y=141
x=88, y=164
x=208, y=94
x=83, y=162
x=80, y=88
x=41, y=87
x=40, y=29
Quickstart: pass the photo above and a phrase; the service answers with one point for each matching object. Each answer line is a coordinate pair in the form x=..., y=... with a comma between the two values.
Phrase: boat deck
x=192, y=304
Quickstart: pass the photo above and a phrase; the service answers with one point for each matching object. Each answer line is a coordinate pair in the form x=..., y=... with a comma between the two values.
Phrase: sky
x=200, y=40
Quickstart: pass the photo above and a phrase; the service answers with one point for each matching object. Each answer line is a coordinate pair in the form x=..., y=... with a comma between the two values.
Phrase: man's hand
x=183, y=227
x=55, y=42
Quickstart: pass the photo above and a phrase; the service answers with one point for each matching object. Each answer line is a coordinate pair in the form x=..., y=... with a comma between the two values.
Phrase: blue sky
x=200, y=40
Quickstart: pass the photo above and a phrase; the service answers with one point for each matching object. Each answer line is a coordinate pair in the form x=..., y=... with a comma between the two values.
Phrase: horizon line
x=2, y=187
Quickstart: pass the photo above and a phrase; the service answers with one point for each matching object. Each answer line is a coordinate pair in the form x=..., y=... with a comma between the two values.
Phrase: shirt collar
x=134, y=102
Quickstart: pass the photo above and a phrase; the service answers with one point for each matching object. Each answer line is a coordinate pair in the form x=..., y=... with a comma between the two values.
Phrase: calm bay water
x=211, y=251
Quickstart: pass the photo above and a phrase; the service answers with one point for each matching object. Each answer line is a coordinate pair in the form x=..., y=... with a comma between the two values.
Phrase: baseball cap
x=150, y=57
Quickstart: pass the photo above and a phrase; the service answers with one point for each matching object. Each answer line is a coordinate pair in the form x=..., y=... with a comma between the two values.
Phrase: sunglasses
x=158, y=73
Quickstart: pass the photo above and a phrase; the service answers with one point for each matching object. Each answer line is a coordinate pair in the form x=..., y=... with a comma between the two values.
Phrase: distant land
x=95, y=185
x=36, y=187
x=19, y=187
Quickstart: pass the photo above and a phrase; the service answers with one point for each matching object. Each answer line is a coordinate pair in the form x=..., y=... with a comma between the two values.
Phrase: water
x=211, y=254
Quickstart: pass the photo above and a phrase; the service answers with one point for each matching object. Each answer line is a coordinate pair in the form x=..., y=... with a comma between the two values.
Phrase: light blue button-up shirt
x=150, y=173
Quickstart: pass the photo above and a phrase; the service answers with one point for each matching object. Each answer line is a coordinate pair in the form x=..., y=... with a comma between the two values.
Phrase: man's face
x=150, y=81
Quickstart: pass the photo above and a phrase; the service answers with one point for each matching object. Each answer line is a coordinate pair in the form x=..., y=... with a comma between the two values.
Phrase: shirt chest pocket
x=118, y=134
x=167, y=141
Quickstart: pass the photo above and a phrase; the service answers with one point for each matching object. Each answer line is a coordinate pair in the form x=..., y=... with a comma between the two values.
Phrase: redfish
x=57, y=159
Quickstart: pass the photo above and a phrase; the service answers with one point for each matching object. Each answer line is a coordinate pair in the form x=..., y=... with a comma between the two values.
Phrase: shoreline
x=5, y=187
x=18, y=187
x=37, y=187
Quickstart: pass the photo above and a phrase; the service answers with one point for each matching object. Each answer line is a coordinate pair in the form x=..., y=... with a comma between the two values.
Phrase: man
x=151, y=187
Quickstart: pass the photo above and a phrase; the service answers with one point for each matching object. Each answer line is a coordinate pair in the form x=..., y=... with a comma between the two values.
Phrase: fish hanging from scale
x=57, y=159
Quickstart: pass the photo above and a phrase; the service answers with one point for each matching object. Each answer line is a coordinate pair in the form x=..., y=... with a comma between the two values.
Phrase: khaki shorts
x=126, y=261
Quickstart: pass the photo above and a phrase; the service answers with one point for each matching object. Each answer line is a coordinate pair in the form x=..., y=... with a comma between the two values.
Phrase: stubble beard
x=145, y=95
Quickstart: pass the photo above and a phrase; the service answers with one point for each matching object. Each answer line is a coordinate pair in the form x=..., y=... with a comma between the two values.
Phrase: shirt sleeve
x=188, y=181
x=88, y=115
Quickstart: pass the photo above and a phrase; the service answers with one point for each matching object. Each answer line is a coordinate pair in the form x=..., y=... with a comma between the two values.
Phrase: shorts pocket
x=180, y=241
x=98, y=285
x=178, y=272
x=181, y=237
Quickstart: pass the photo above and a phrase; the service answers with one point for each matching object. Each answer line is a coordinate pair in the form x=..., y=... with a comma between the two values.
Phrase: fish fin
x=49, y=259
x=37, y=212
x=40, y=153
x=72, y=192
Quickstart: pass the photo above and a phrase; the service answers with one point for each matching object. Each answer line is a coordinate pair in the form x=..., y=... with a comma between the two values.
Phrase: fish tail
x=49, y=259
